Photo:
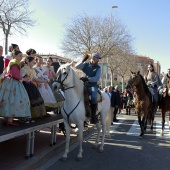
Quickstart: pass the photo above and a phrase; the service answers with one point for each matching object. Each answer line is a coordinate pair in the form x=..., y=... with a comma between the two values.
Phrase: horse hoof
x=79, y=158
x=161, y=134
x=101, y=150
x=94, y=146
x=140, y=137
x=64, y=159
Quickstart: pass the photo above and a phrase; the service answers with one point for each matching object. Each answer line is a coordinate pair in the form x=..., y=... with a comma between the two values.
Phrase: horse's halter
x=132, y=79
x=62, y=81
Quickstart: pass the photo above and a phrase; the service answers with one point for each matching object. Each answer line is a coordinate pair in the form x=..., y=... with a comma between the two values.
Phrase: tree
x=15, y=18
x=106, y=36
x=92, y=34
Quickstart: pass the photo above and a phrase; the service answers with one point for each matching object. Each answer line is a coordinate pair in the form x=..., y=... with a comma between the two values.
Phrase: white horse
x=73, y=110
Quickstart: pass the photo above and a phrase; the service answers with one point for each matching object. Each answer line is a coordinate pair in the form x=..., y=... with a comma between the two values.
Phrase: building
x=143, y=62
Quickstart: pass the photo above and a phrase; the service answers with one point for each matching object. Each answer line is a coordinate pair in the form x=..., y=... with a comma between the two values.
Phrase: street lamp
x=107, y=57
x=111, y=12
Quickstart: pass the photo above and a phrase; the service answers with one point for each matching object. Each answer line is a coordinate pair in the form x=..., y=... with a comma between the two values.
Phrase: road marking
x=116, y=124
x=166, y=130
x=135, y=129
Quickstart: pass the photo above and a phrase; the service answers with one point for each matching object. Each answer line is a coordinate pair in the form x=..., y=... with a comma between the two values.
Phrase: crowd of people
x=25, y=86
x=119, y=100
x=26, y=93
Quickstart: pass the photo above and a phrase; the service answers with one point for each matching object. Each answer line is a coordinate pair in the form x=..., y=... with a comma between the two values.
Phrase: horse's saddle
x=100, y=97
x=87, y=99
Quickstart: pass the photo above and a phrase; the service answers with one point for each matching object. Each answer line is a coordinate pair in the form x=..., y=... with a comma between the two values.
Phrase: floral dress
x=14, y=100
x=36, y=101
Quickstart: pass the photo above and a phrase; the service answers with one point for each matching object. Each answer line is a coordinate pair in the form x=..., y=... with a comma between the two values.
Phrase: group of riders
x=92, y=71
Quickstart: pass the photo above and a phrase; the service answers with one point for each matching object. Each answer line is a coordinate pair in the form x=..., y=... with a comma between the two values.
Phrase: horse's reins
x=62, y=85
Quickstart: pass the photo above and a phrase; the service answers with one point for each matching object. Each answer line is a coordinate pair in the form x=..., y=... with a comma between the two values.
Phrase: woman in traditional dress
x=31, y=52
x=14, y=101
x=7, y=58
x=36, y=101
x=50, y=70
x=44, y=88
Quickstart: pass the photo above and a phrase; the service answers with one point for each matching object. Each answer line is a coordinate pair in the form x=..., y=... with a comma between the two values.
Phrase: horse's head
x=134, y=80
x=63, y=75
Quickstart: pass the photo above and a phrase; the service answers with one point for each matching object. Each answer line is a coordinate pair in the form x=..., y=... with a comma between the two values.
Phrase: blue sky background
x=147, y=21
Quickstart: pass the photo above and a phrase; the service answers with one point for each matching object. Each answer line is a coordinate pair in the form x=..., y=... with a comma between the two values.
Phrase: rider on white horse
x=92, y=75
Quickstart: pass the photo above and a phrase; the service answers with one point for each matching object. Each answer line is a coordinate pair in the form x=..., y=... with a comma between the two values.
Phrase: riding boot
x=94, y=117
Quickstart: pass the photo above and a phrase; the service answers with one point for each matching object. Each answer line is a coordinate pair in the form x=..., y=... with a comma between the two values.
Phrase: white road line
x=135, y=129
x=166, y=131
x=116, y=124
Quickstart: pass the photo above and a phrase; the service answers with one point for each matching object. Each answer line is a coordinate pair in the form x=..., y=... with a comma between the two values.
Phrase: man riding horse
x=92, y=75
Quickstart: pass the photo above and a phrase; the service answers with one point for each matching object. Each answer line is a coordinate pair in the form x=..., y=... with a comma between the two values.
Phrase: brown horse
x=165, y=104
x=143, y=101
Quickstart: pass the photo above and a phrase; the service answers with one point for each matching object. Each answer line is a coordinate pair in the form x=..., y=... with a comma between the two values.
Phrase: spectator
x=14, y=101
x=50, y=70
x=1, y=60
x=121, y=103
x=7, y=58
x=115, y=102
x=31, y=52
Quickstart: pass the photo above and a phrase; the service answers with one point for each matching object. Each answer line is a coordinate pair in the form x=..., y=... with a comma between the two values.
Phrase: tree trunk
x=112, y=78
x=122, y=83
x=6, y=44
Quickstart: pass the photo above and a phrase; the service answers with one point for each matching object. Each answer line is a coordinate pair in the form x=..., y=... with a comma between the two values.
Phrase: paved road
x=123, y=151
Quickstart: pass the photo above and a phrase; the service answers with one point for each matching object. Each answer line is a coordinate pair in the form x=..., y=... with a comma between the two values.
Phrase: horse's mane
x=76, y=80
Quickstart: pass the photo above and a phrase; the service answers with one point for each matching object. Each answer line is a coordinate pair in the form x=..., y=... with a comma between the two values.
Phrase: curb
x=49, y=153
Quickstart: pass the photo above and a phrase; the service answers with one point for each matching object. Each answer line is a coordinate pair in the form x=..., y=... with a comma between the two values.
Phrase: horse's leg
x=98, y=126
x=64, y=158
x=145, y=124
x=163, y=122
x=142, y=124
x=80, y=127
x=153, y=116
x=139, y=120
x=169, y=120
x=103, y=119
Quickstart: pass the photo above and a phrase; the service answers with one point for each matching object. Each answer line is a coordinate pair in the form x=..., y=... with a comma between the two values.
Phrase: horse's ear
x=131, y=72
x=138, y=72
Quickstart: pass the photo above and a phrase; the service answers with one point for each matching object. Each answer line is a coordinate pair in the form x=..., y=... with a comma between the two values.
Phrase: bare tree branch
x=15, y=17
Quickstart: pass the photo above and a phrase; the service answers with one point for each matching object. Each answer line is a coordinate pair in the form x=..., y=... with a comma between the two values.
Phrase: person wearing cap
x=152, y=79
x=92, y=72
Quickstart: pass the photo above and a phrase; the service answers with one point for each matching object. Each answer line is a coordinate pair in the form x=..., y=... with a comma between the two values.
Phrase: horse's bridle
x=63, y=89
x=62, y=82
x=131, y=80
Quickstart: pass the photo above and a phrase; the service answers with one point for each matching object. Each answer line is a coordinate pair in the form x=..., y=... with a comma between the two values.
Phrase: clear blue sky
x=146, y=20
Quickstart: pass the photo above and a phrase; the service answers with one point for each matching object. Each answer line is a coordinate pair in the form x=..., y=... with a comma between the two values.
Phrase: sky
x=147, y=21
